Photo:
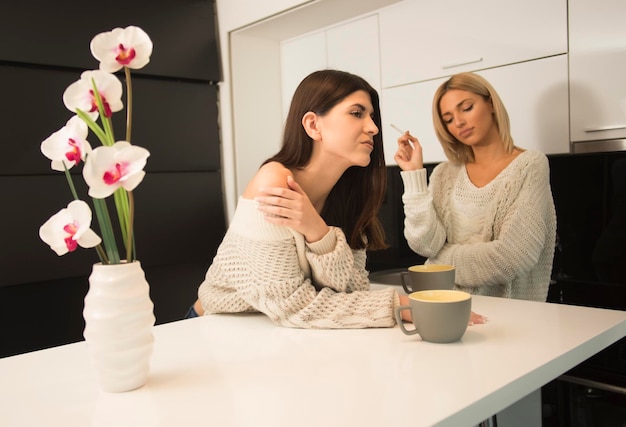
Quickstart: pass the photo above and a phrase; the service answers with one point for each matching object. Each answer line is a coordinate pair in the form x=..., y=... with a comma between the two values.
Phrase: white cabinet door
x=534, y=94
x=298, y=58
x=536, y=98
x=597, y=69
x=353, y=47
x=409, y=108
x=427, y=39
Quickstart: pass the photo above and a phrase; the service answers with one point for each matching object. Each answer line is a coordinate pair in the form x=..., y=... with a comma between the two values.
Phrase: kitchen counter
x=241, y=370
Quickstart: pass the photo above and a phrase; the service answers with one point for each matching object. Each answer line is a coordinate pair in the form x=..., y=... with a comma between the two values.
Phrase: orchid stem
x=129, y=103
x=101, y=254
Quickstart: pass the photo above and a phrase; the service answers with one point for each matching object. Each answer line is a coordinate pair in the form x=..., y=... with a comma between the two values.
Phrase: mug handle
x=401, y=322
x=403, y=275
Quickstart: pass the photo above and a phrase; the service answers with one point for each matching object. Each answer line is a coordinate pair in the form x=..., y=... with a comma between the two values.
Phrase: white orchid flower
x=80, y=94
x=109, y=168
x=68, y=145
x=122, y=47
x=70, y=228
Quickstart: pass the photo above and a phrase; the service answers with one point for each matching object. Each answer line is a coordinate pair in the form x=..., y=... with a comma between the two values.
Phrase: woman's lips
x=466, y=132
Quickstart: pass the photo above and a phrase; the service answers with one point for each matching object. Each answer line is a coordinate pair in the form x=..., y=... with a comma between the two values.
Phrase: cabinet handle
x=593, y=384
x=599, y=129
x=458, y=64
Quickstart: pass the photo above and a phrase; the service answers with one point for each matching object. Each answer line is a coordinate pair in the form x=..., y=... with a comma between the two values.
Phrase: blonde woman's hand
x=477, y=319
x=292, y=208
x=409, y=153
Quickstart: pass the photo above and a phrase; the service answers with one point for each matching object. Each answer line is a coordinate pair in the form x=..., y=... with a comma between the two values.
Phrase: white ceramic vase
x=119, y=317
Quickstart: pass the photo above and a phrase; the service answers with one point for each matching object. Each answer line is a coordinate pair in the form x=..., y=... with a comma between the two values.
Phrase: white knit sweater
x=500, y=237
x=269, y=268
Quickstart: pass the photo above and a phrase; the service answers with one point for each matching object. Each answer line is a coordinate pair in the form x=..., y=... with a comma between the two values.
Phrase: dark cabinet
x=180, y=218
x=176, y=120
x=58, y=33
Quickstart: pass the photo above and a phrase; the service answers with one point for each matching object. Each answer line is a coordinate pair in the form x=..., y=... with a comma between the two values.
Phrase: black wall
x=179, y=205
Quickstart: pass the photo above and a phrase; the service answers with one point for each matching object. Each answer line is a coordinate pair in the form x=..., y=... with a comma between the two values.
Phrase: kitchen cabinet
x=178, y=219
x=169, y=118
x=428, y=39
x=351, y=46
x=184, y=33
x=298, y=58
x=534, y=93
x=409, y=107
x=597, y=37
x=354, y=47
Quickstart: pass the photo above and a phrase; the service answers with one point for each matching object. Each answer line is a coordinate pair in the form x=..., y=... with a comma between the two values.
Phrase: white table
x=241, y=370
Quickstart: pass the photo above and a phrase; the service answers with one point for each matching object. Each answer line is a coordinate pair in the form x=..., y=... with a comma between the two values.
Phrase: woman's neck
x=488, y=154
x=488, y=163
x=317, y=180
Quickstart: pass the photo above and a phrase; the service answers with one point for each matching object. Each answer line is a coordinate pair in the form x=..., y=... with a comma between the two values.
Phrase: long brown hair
x=455, y=151
x=354, y=201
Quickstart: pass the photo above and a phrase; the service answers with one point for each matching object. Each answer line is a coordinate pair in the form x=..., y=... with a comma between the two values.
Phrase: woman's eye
x=357, y=114
x=469, y=107
x=447, y=120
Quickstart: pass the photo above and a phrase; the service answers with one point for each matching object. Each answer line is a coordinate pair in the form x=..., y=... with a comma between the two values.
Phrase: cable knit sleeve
x=336, y=266
x=523, y=229
x=258, y=268
x=423, y=229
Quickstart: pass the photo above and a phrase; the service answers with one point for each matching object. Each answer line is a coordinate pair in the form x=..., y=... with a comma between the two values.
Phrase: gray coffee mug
x=428, y=276
x=439, y=316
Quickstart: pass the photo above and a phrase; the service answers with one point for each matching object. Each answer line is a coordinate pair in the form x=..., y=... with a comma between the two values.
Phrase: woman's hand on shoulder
x=285, y=203
x=409, y=153
x=272, y=174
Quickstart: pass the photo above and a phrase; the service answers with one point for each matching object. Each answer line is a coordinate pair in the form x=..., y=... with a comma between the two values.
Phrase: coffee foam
x=429, y=268
x=440, y=296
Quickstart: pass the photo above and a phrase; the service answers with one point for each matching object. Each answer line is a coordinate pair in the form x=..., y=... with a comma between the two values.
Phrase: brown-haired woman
x=295, y=249
x=489, y=209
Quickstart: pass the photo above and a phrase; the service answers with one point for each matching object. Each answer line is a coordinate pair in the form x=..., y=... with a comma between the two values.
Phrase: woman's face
x=468, y=117
x=347, y=130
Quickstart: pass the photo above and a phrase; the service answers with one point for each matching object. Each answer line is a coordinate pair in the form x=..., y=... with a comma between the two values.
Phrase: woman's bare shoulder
x=272, y=174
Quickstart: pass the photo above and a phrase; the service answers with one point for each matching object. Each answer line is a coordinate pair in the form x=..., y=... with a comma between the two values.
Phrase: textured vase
x=119, y=317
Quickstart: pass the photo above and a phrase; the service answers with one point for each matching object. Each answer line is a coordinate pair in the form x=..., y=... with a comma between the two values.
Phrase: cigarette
x=397, y=128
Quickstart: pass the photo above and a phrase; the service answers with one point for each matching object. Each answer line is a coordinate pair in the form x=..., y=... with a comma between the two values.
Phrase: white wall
x=231, y=15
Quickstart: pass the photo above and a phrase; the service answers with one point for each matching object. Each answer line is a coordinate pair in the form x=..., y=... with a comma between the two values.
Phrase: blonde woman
x=488, y=210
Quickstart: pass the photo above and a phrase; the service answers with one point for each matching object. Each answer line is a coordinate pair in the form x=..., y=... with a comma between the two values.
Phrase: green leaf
x=95, y=128
x=106, y=229
x=70, y=182
x=123, y=214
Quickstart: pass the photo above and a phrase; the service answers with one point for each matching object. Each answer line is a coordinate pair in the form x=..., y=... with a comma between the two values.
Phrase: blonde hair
x=454, y=150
